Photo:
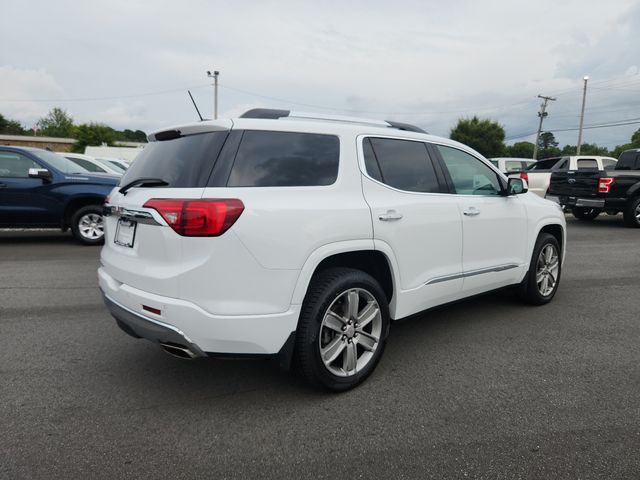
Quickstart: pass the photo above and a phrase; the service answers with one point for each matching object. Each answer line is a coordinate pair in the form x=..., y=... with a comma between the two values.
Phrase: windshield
x=110, y=165
x=59, y=162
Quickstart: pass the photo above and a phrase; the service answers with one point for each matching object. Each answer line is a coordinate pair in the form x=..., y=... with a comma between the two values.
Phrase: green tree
x=93, y=134
x=483, y=135
x=11, y=127
x=132, y=136
x=57, y=123
x=548, y=146
x=520, y=150
x=635, y=139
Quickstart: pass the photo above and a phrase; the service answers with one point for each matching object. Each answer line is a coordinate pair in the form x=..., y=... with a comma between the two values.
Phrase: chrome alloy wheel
x=637, y=213
x=91, y=227
x=350, y=332
x=547, y=270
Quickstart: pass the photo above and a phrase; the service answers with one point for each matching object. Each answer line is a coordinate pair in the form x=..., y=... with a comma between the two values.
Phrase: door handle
x=471, y=212
x=390, y=216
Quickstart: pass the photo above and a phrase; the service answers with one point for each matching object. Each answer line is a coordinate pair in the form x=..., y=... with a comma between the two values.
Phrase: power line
x=618, y=123
x=96, y=99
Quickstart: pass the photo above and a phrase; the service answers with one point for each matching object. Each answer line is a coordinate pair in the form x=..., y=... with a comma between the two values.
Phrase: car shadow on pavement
x=35, y=237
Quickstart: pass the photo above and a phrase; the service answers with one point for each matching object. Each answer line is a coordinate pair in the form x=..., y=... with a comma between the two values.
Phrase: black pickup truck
x=587, y=193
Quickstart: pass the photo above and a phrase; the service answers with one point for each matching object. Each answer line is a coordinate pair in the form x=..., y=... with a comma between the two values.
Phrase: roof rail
x=274, y=114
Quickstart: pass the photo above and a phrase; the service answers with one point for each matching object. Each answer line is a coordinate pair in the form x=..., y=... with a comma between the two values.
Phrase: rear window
x=181, y=162
x=629, y=161
x=512, y=166
x=285, y=159
x=587, y=164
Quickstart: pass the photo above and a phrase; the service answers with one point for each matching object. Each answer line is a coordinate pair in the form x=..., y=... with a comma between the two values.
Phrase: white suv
x=301, y=236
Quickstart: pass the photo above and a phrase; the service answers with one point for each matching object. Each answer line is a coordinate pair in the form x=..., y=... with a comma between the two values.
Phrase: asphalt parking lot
x=487, y=388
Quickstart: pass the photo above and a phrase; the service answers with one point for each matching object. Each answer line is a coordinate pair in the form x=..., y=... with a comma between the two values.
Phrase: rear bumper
x=578, y=202
x=184, y=323
x=153, y=330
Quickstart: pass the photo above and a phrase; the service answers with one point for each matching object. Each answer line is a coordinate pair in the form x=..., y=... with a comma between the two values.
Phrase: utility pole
x=215, y=91
x=542, y=113
x=584, y=98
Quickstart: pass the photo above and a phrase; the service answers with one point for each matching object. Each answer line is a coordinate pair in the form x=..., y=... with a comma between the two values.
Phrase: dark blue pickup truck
x=41, y=189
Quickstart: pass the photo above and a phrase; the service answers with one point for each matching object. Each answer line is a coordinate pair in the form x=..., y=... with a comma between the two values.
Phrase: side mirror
x=42, y=173
x=516, y=186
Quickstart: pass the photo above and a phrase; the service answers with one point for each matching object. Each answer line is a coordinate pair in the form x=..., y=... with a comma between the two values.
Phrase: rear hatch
x=144, y=211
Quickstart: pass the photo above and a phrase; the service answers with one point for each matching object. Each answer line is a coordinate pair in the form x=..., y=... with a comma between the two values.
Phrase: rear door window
x=285, y=159
x=544, y=164
x=402, y=164
x=89, y=166
x=181, y=162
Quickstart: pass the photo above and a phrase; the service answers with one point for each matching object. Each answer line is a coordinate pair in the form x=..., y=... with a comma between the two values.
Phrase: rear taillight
x=604, y=184
x=207, y=217
x=524, y=176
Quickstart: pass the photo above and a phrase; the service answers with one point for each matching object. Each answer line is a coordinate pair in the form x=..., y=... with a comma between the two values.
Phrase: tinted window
x=181, y=162
x=91, y=167
x=544, y=164
x=405, y=165
x=629, y=160
x=587, y=164
x=469, y=175
x=15, y=165
x=608, y=163
x=370, y=161
x=285, y=159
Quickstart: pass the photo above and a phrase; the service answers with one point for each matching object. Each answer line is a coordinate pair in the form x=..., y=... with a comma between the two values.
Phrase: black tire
x=632, y=212
x=79, y=230
x=327, y=288
x=529, y=288
x=583, y=213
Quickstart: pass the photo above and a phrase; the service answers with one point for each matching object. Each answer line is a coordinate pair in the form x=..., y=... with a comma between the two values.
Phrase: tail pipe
x=177, y=350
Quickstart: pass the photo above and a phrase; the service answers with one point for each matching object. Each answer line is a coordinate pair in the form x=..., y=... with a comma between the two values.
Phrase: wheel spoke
x=368, y=313
x=349, y=360
x=544, y=285
x=333, y=349
x=334, y=322
x=539, y=277
x=367, y=342
x=353, y=300
x=548, y=254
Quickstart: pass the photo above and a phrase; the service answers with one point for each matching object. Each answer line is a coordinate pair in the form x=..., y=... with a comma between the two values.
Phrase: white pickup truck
x=539, y=174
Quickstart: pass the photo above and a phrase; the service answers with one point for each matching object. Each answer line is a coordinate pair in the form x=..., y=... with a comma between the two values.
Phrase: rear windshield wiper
x=143, y=182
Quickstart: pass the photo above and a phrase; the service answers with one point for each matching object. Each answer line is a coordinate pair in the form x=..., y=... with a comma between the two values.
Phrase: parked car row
x=587, y=192
x=303, y=237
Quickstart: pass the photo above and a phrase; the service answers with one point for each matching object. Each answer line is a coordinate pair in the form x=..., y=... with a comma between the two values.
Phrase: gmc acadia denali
x=302, y=236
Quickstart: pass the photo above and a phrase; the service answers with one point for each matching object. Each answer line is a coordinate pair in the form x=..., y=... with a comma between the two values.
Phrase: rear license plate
x=125, y=232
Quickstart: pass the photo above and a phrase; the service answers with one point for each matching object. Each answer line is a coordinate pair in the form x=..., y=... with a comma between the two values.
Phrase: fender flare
x=330, y=249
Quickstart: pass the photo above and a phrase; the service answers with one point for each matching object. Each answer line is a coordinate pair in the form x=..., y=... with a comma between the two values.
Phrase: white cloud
x=20, y=87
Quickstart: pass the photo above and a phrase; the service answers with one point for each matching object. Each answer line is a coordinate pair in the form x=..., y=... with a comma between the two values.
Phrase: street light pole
x=215, y=92
x=584, y=98
x=542, y=113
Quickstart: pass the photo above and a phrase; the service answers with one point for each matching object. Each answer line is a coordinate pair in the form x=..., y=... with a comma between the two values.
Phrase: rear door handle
x=471, y=212
x=390, y=216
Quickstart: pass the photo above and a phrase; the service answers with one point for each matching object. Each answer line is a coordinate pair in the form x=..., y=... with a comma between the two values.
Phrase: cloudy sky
x=128, y=63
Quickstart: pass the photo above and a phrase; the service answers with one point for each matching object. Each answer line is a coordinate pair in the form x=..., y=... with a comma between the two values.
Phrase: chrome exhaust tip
x=179, y=351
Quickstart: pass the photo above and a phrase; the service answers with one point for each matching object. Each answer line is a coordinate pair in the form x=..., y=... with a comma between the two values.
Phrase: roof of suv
x=285, y=120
